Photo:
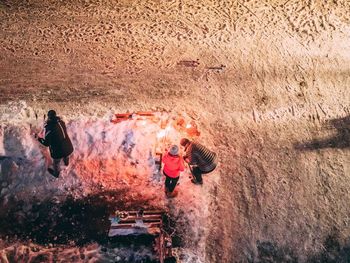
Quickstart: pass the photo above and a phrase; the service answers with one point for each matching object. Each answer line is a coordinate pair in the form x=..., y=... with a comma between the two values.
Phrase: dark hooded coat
x=57, y=139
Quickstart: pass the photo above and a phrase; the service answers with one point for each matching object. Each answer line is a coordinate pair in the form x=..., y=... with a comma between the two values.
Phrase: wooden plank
x=123, y=115
x=145, y=113
x=132, y=226
x=145, y=212
x=147, y=217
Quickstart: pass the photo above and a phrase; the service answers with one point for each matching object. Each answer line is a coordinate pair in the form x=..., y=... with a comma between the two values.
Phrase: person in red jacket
x=173, y=165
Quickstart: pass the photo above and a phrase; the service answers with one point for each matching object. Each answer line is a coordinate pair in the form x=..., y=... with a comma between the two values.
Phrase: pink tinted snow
x=107, y=156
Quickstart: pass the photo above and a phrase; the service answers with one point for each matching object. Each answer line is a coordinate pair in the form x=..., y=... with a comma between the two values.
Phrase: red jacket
x=173, y=165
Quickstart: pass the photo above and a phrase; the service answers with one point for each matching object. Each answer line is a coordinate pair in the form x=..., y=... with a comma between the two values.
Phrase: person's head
x=184, y=142
x=174, y=150
x=51, y=115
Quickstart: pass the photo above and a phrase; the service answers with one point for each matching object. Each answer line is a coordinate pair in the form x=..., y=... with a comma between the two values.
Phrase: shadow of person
x=340, y=140
x=333, y=250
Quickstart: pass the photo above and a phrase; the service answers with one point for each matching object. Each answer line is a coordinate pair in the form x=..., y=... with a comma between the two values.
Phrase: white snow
x=107, y=156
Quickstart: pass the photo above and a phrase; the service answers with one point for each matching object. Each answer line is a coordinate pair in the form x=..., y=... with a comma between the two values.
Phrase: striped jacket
x=201, y=156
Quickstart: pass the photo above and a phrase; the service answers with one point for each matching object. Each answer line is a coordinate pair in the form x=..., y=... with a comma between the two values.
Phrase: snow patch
x=113, y=158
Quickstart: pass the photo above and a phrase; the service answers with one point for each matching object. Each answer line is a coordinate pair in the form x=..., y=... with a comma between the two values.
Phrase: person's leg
x=66, y=160
x=208, y=171
x=173, y=182
x=55, y=171
x=167, y=182
x=56, y=165
x=197, y=175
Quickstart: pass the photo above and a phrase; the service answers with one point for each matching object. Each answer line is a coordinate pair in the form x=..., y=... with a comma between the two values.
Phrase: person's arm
x=165, y=157
x=182, y=165
x=193, y=160
x=46, y=141
x=186, y=157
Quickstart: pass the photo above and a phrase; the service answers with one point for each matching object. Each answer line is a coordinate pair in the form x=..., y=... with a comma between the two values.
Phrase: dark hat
x=184, y=141
x=51, y=114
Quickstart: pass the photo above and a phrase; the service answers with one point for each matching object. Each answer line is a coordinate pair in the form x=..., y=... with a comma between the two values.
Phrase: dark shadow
x=341, y=140
x=271, y=252
x=78, y=223
x=333, y=252
x=75, y=220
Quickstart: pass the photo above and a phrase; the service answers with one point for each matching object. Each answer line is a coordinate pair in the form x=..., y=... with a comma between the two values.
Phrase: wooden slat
x=145, y=113
x=132, y=224
x=122, y=115
x=145, y=213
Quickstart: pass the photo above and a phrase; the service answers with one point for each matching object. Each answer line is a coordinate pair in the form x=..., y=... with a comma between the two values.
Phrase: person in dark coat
x=57, y=139
x=200, y=159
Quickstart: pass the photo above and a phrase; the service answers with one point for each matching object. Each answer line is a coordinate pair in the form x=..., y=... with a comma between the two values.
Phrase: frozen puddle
x=114, y=166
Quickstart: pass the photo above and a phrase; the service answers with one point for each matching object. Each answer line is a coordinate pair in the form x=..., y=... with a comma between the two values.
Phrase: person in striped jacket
x=57, y=139
x=200, y=159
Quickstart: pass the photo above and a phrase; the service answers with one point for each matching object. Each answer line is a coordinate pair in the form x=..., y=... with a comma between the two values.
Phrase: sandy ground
x=266, y=81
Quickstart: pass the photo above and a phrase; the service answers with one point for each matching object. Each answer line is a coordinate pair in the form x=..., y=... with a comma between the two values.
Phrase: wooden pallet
x=150, y=222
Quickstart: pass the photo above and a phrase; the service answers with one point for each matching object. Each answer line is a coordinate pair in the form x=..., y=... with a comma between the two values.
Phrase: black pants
x=197, y=173
x=56, y=164
x=170, y=183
